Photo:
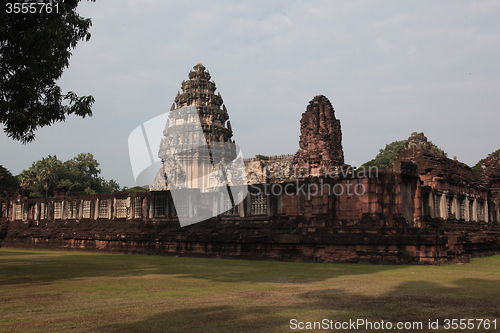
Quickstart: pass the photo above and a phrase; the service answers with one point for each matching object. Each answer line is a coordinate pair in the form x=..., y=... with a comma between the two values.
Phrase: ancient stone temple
x=320, y=149
x=197, y=136
x=424, y=208
x=320, y=145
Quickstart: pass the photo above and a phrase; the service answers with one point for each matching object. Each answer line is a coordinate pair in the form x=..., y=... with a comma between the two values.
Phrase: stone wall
x=309, y=220
x=263, y=169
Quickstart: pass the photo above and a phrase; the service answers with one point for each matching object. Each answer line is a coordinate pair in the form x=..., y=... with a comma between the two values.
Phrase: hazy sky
x=389, y=68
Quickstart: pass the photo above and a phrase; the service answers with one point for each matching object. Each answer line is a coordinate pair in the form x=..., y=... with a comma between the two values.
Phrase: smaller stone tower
x=320, y=145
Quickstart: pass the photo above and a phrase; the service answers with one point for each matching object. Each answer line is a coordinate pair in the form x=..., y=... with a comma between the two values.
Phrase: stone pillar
x=474, y=210
x=467, y=213
x=36, y=213
x=24, y=211
x=455, y=207
x=242, y=203
x=418, y=204
x=486, y=211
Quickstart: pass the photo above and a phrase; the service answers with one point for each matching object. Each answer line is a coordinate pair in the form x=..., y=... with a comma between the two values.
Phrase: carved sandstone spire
x=200, y=91
x=197, y=116
x=320, y=145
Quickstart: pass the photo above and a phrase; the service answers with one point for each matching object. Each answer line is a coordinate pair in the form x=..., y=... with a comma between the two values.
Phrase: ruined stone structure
x=419, y=141
x=425, y=208
x=263, y=169
x=320, y=149
x=490, y=168
x=320, y=144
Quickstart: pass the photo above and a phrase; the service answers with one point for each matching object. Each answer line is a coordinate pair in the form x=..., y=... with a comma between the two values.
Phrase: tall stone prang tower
x=187, y=157
x=320, y=145
x=200, y=91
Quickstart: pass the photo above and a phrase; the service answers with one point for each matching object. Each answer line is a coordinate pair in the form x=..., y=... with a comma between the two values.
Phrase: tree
x=42, y=176
x=478, y=168
x=34, y=51
x=136, y=188
x=80, y=175
x=8, y=183
x=387, y=155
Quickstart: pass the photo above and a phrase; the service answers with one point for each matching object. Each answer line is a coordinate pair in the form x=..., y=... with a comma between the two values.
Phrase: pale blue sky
x=388, y=67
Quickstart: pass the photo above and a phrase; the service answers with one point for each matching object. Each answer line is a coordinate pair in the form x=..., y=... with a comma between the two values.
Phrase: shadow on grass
x=410, y=302
x=22, y=267
x=418, y=301
x=208, y=319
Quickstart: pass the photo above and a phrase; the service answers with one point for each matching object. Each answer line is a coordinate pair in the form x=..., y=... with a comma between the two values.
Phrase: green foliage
x=8, y=183
x=79, y=175
x=438, y=150
x=478, y=168
x=136, y=188
x=386, y=156
x=42, y=176
x=34, y=51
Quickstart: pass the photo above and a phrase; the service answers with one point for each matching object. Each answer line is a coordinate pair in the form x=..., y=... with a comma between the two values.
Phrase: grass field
x=48, y=291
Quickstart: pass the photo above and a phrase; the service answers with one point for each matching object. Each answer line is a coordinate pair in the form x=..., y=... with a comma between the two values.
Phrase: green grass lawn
x=48, y=291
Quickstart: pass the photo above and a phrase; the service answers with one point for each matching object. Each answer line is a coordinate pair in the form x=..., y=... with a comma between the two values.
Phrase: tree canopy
x=80, y=175
x=387, y=155
x=8, y=183
x=35, y=48
x=478, y=168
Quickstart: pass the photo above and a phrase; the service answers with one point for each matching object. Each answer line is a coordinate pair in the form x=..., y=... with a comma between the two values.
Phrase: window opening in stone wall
x=182, y=205
x=436, y=205
x=71, y=210
x=160, y=206
x=462, y=209
x=471, y=211
x=492, y=216
x=86, y=209
x=228, y=208
x=31, y=211
x=480, y=211
x=57, y=210
x=425, y=204
x=449, y=207
x=121, y=208
x=138, y=210
x=493, y=212
x=258, y=204
x=43, y=211
x=103, y=209
x=17, y=212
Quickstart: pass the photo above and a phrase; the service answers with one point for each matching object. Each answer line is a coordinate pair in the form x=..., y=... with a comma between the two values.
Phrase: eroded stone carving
x=320, y=144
